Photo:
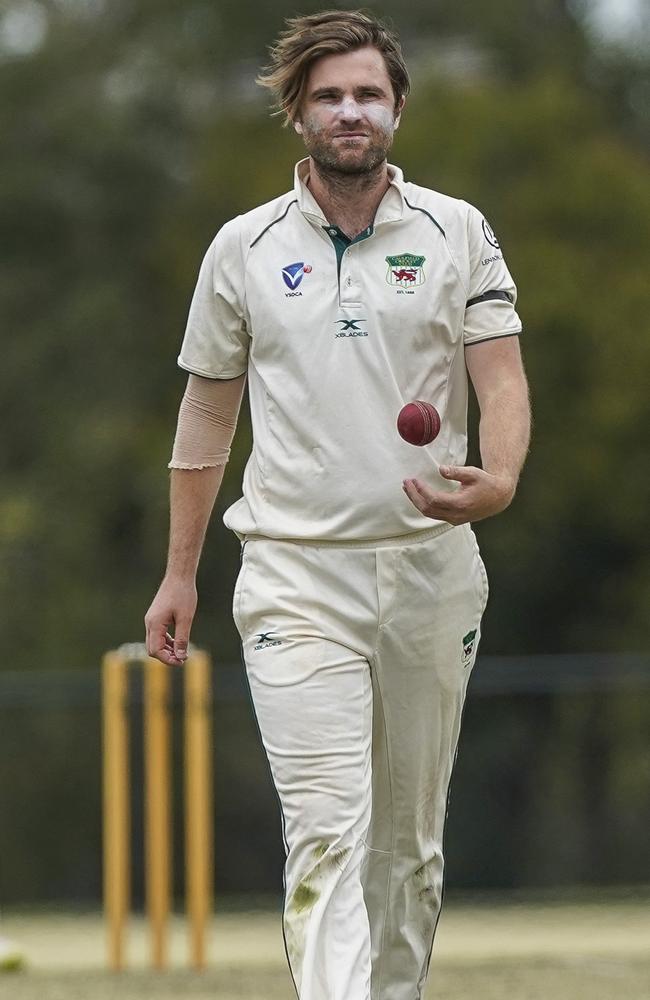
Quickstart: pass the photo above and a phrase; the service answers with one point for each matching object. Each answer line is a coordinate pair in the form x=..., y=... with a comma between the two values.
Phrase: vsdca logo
x=294, y=273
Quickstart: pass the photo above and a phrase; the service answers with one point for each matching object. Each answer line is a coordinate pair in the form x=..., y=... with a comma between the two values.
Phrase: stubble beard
x=337, y=164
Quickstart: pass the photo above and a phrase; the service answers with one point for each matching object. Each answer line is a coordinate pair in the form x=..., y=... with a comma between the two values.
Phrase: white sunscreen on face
x=378, y=115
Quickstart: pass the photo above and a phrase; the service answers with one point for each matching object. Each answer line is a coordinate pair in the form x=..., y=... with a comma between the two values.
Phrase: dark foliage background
x=133, y=130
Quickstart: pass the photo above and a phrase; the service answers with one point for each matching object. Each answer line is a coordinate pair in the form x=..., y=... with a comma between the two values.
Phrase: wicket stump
x=157, y=804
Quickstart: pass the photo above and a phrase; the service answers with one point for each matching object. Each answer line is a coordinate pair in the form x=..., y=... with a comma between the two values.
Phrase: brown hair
x=310, y=36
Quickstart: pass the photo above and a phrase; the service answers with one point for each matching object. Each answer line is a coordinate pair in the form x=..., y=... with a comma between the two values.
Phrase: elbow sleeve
x=207, y=419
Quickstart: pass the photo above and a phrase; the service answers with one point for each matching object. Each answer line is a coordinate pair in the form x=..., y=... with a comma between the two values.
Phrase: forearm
x=497, y=374
x=206, y=424
x=192, y=496
x=504, y=430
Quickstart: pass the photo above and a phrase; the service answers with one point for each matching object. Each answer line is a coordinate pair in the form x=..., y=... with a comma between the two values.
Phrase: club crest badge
x=405, y=270
x=468, y=645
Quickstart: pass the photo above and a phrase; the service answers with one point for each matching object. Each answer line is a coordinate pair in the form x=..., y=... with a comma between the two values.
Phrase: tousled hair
x=308, y=37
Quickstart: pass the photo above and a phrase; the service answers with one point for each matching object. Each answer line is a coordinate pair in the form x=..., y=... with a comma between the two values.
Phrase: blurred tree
x=132, y=131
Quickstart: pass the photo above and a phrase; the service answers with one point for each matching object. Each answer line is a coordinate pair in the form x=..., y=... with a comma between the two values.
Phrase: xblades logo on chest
x=351, y=328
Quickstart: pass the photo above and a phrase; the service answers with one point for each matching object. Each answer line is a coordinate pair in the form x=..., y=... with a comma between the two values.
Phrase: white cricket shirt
x=336, y=337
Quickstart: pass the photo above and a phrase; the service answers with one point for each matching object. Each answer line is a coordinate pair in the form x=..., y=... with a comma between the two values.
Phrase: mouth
x=351, y=135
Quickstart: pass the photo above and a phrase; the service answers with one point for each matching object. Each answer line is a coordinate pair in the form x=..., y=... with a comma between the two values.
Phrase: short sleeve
x=490, y=309
x=216, y=339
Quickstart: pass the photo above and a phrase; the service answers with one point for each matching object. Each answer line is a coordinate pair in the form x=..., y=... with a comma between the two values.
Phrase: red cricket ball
x=418, y=423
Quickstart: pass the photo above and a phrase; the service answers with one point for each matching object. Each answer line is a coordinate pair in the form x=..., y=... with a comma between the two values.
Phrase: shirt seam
x=493, y=336
x=194, y=370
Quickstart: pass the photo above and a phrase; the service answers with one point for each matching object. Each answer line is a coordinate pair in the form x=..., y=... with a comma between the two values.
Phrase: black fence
x=551, y=786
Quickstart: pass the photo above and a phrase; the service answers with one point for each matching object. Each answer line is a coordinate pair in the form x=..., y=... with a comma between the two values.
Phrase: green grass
x=486, y=949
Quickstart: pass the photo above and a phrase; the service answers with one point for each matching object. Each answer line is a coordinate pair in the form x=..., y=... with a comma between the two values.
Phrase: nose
x=349, y=110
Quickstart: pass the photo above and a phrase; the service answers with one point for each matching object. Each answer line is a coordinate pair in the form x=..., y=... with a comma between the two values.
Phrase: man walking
x=361, y=590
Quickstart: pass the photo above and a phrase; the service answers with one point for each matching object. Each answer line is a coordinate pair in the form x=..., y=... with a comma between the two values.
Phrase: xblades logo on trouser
x=264, y=640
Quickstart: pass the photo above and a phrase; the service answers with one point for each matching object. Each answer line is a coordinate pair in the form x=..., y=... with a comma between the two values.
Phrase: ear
x=297, y=124
x=398, y=111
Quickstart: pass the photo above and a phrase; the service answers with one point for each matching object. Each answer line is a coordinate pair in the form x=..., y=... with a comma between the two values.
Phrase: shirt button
x=332, y=232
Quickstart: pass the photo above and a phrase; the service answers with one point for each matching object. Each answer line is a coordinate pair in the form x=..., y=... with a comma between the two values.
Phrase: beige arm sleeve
x=207, y=419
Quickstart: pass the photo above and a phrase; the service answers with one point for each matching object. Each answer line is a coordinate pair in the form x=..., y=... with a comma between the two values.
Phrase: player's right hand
x=169, y=620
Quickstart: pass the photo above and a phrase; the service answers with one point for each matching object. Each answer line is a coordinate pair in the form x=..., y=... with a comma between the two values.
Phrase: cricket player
x=361, y=589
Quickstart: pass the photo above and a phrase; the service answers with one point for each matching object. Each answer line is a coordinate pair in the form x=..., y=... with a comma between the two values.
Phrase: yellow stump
x=115, y=735
x=158, y=801
x=157, y=764
x=198, y=803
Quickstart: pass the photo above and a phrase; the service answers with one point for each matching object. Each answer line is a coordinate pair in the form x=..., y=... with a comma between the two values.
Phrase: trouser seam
x=442, y=842
x=282, y=822
x=380, y=963
x=375, y=850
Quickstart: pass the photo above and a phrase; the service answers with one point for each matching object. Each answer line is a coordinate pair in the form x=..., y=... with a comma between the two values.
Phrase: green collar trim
x=342, y=242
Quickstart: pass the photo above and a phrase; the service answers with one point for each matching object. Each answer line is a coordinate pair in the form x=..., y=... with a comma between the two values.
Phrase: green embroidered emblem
x=468, y=644
x=405, y=270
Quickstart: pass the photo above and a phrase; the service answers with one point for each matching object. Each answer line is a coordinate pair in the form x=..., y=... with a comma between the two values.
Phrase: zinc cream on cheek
x=377, y=115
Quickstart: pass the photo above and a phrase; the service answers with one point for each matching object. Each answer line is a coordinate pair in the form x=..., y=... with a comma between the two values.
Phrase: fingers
x=465, y=474
x=481, y=494
x=448, y=507
x=181, y=638
x=156, y=632
x=162, y=645
x=159, y=642
x=168, y=653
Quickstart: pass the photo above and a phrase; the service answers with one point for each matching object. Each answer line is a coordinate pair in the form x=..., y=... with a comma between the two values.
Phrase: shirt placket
x=347, y=259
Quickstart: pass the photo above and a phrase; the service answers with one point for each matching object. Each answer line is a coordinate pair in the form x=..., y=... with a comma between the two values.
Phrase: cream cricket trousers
x=358, y=657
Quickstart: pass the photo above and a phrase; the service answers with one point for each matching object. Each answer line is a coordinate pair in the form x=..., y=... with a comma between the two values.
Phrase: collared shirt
x=337, y=335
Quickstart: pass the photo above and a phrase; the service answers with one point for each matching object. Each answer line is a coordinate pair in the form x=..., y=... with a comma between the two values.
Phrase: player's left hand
x=481, y=495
